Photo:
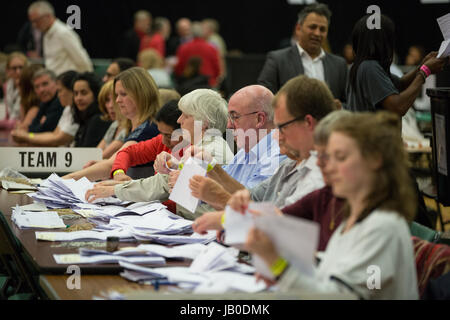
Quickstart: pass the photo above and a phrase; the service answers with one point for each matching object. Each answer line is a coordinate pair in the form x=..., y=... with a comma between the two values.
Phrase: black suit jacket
x=285, y=64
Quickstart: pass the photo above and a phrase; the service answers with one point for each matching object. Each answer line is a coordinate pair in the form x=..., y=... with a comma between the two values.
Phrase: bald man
x=250, y=119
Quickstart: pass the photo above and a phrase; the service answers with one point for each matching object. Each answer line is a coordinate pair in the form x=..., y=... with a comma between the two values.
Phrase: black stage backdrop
x=250, y=26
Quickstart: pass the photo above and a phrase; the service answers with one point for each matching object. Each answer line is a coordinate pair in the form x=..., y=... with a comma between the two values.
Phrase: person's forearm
x=400, y=103
x=407, y=79
x=224, y=179
x=49, y=139
x=98, y=171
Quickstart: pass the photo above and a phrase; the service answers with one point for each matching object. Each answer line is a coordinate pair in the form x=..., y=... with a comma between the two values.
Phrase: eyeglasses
x=234, y=116
x=282, y=126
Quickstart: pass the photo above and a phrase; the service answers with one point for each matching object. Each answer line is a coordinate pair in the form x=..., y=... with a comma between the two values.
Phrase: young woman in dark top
x=371, y=86
x=86, y=113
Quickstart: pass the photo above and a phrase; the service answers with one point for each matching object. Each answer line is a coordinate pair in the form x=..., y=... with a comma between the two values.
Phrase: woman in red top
x=146, y=151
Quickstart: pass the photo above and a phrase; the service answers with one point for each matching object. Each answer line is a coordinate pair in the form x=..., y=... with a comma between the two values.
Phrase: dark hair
x=372, y=44
x=318, y=8
x=95, y=84
x=92, y=79
x=124, y=63
x=66, y=78
x=169, y=114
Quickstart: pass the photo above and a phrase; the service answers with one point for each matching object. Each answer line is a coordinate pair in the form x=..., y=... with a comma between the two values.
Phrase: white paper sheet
x=31, y=219
x=444, y=26
x=296, y=239
x=181, y=193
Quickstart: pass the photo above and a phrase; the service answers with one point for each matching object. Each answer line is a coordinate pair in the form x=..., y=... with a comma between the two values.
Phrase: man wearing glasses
x=62, y=47
x=250, y=119
x=298, y=107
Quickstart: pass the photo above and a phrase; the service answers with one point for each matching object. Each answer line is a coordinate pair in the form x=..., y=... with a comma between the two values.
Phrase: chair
x=432, y=261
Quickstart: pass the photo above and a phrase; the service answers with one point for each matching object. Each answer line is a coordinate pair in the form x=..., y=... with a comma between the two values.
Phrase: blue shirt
x=145, y=131
x=259, y=164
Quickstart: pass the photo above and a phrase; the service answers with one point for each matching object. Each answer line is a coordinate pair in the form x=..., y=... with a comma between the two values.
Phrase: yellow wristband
x=222, y=220
x=118, y=171
x=278, y=267
x=31, y=134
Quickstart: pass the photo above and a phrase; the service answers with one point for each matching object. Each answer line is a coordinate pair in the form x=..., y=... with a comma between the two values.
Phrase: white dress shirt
x=313, y=68
x=63, y=50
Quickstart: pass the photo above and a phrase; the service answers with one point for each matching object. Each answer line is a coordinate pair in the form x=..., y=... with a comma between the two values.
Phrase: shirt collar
x=302, y=52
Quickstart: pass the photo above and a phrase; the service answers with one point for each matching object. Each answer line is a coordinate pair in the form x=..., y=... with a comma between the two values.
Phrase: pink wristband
x=426, y=70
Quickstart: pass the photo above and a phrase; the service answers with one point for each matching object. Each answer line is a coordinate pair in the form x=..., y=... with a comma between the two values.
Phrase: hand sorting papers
x=56, y=192
x=295, y=239
x=181, y=193
x=32, y=219
x=444, y=25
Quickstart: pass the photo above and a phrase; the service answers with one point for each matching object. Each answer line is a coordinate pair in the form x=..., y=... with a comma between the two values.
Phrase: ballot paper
x=207, y=282
x=444, y=25
x=181, y=193
x=11, y=185
x=176, y=239
x=82, y=235
x=294, y=238
x=186, y=251
x=214, y=257
x=32, y=219
x=106, y=258
x=237, y=225
x=35, y=206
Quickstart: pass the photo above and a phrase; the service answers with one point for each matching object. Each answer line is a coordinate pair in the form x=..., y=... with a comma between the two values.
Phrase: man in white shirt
x=62, y=46
x=307, y=56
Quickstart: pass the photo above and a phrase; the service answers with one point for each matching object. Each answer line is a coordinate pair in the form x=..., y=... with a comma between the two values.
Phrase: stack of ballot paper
x=214, y=257
x=35, y=219
x=153, y=223
x=176, y=239
x=56, y=192
x=106, y=258
x=11, y=185
x=84, y=235
x=198, y=282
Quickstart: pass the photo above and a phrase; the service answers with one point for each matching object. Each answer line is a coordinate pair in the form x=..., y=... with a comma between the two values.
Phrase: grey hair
x=320, y=9
x=43, y=72
x=206, y=105
x=43, y=7
x=142, y=14
x=325, y=126
x=197, y=29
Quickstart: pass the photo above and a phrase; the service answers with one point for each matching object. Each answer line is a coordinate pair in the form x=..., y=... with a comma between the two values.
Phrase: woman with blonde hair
x=15, y=63
x=366, y=166
x=117, y=132
x=137, y=96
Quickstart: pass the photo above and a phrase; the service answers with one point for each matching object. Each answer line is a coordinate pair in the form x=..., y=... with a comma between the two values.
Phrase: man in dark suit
x=307, y=56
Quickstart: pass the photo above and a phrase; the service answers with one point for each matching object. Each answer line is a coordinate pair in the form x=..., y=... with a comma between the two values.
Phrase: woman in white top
x=66, y=129
x=370, y=254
